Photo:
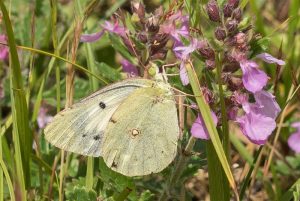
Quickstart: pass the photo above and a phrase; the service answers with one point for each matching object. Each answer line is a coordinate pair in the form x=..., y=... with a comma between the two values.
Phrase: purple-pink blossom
x=107, y=26
x=183, y=53
x=183, y=74
x=129, y=68
x=259, y=120
x=270, y=59
x=199, y=129
x=253, y=79
x=294, y=139
x=266, y=104
x=43, y=119
x=256, y=127
x=169, y=27
x=3, y=49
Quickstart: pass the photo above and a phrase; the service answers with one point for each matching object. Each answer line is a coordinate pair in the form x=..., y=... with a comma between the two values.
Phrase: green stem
x=248, y=177
x=225, y=128
x=180, y=165
x=94, y=85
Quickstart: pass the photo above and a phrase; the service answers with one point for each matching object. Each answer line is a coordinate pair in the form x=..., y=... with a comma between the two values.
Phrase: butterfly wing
x=80, y=128
x=141, y=137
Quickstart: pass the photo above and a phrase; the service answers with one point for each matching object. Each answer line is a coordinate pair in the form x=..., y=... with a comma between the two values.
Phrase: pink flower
x=253, y=78
x=112, y=28
x=129, y=68
x=258, y=123
x=294, y=139
x=270, y=59
x=169, y=27
x=43, y=119
x=3, y=49
x=183, y=53
x=267, y=104
x=256, y=127
x=199, y=129
x=183, y=74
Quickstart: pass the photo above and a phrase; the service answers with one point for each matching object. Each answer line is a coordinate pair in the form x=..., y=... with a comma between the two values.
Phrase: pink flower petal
x=257, y=128
x=129, y=68
x=4, y=51
x=253, y=78
x=296, y=125
x=183, y=74
x=199, y=129
x=294, y=142
x=270, y=59
x=43, y=119
x=267, y=104
x=91, y=37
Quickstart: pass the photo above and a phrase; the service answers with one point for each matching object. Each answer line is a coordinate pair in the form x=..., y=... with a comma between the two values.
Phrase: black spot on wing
x=97, y=137
x=102, y=105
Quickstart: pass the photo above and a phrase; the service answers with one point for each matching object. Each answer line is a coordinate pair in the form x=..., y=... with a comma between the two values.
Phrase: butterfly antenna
x=183, y=93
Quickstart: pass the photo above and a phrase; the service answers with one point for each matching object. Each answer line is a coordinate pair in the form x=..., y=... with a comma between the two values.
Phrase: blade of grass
x=225, y=127
x=240, y=147
x=218, y=184
x=289, y=194
x=206, y=114
x=94, y=86
x=20, y=110
x=8, y=180
x=248, y=177
x=219, y=190
x=53, y=5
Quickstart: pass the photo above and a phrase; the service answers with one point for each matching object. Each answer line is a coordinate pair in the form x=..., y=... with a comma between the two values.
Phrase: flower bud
x=234, y=3
x=220, y=33
x=138, y=8
x=208, y=95
x=235, y=83
x=227, y=10
x=142, y=36
x=232, y=113
x=231, y=26
x=152, y=24
x=210, y=64
x=213, y=11
x=237, y=14
x=241, y=40
x=231, y=67
x=207, y=52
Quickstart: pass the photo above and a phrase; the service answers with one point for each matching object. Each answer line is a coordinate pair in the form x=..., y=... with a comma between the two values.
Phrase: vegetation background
x=43, y=37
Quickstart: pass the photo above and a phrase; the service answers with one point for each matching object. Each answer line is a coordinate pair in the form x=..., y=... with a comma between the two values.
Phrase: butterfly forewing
x=141, y=137
x=80, y=129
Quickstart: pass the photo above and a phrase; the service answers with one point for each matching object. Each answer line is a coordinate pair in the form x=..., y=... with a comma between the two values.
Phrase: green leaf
x=120, y=47
x=19, y=106
x=108, y=72
x=116, y=181
x=206, y=114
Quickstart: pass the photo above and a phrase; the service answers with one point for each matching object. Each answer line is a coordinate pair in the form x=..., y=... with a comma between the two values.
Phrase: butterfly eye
x=102, y=105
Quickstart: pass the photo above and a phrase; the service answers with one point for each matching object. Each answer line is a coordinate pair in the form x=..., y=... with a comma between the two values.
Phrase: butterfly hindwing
x=141, y=137
x=80, y=128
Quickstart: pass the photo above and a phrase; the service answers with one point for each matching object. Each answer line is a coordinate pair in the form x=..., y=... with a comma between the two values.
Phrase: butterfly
x=132, y=124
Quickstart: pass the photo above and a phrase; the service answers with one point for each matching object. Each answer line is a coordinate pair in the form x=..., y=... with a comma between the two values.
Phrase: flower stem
x=225, y=130
x=180, y=165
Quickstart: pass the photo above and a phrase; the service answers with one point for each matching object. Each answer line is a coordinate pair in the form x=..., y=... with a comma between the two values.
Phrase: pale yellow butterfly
x=132, y=124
